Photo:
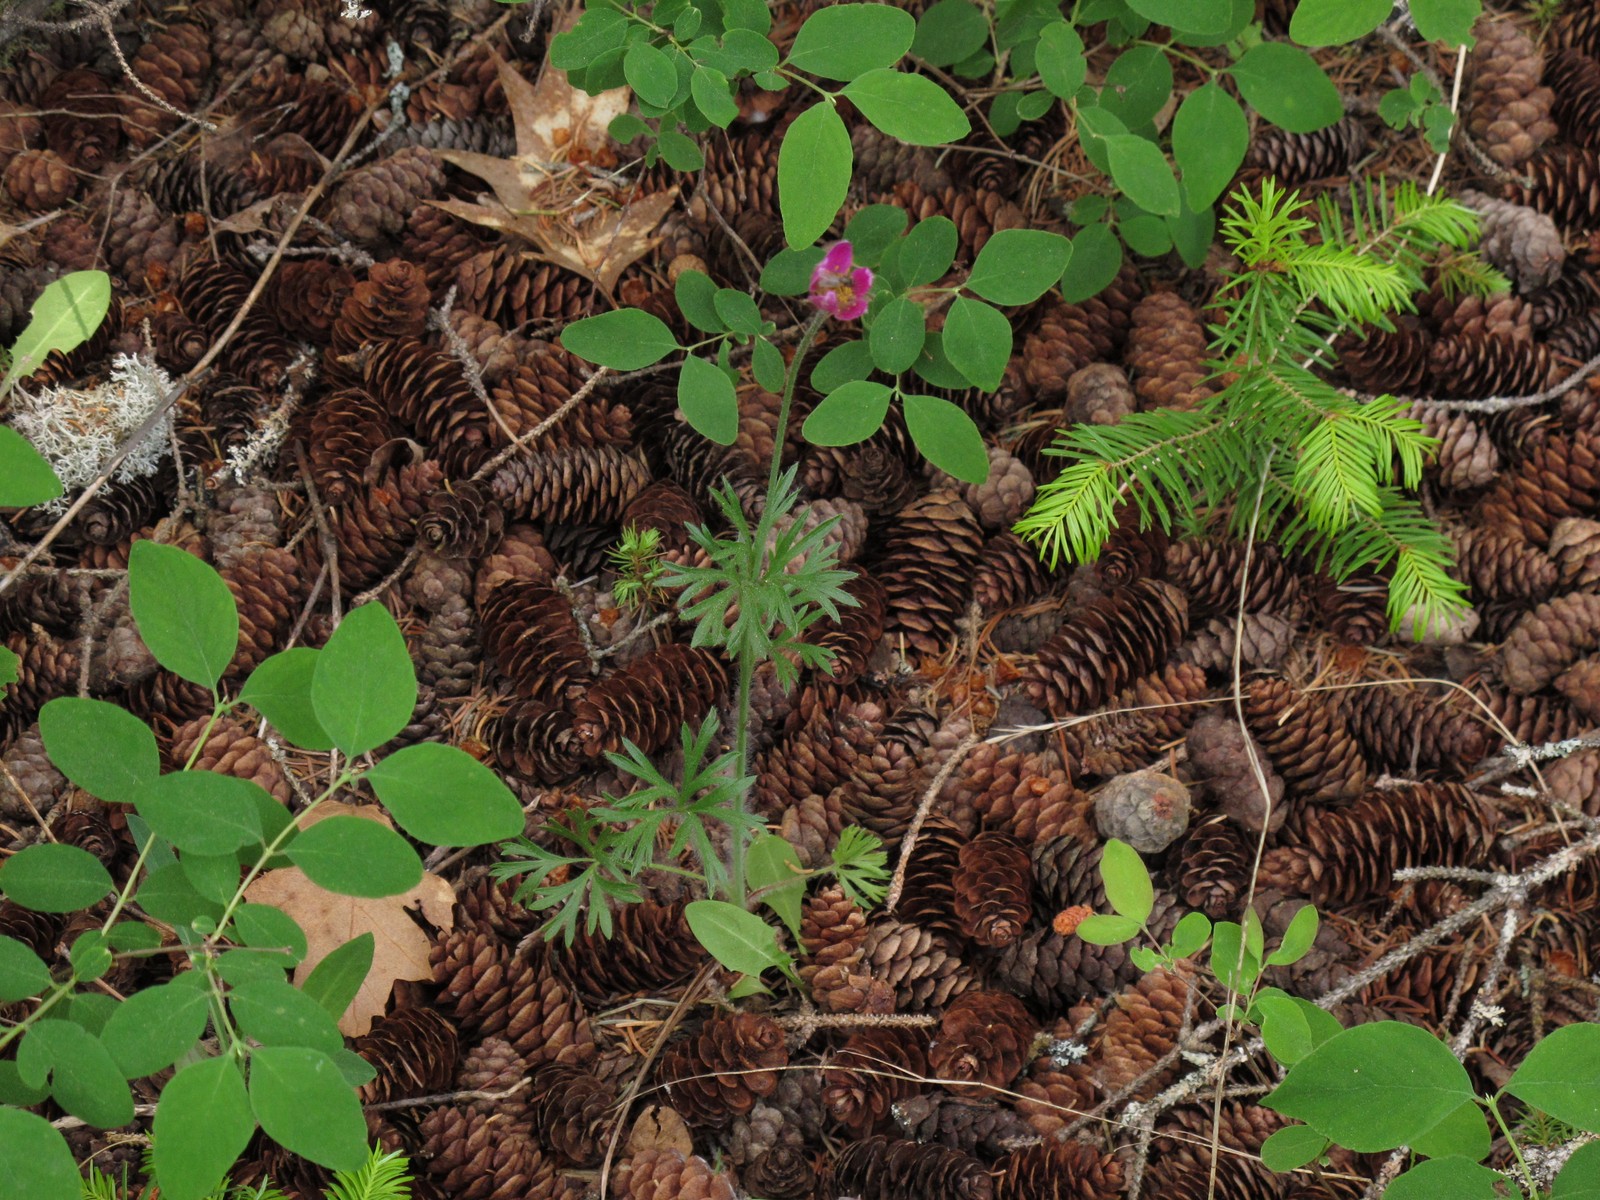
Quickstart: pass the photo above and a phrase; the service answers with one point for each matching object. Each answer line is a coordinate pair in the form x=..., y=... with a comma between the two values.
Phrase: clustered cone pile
x=341, y=441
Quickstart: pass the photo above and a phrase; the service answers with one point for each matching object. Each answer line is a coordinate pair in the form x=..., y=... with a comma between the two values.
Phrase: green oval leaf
x=650, y=73
x=305, y=1105
x=1060, y=60
x=1191, y=16
x=709, y=87
x=167, y=895
x=1448, y=21
x=443, y=796
x=1336, y=22
x=814, y=163
x=364, y=689
x=625, y=339
x=1096, y=259
x=947, y=437
x=202, y=811
x=850, y=413
x=1017, y=266
x=681, y=153
x=22, y=972
x=738, y=310
x=356, y=857
x=977, y=340
x=334, y=982
x=844, y=41
x=788, y=272
x=739, y=940
x=1209, y=138
x=1143, y=173
x=1127, y=880
x=1285, y=85
x=275, y=1013
x=184, y=611
x=1580, y=1178
x=25, y=477
x=873, y=230
x=910, y=108
x=263, y=927
x=708, y=400
x=949, y=32
x=771, y=863
x=843, y=364
x=37, y=1162
x=767, y=365
x=1292, y=1147
x=65, y=315
x=83, y=1078
x=696, y=296
x=1464, y=1132
x=1559, y=1073
x=54, y=878
x=928, y=251
x=1374, y=1087
x=1101, y=930
x=101, y=747
x=1458, y=1178
x=202, y=1125
x=154, y=1028
x=1137, y=86
x=280, y=690
x=1297, y=938
x=897, y=335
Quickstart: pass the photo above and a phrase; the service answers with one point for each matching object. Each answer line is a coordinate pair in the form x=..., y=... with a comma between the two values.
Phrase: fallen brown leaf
x=400, y=949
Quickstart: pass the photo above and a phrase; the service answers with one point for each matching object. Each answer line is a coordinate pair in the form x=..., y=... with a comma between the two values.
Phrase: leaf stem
x=61, y=990
x=1511, y=1140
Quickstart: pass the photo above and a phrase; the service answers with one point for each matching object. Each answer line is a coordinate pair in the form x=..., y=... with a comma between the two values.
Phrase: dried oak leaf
x=556, y=191
x=400, y=949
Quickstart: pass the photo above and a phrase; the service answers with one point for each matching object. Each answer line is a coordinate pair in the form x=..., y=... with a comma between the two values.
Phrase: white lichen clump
x=79, y=430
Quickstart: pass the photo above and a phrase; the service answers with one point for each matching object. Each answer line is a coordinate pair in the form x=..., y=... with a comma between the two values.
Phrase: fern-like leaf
x=381, y=1177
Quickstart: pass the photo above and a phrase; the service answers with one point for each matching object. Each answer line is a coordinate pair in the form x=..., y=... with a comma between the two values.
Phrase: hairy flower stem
x=747, y=664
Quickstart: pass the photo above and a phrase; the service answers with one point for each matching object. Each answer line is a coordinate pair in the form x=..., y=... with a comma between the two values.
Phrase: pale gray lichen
x=79, y=430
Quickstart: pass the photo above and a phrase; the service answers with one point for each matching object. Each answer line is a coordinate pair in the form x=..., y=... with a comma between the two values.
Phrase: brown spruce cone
x=1510, y=112
x=1351, y=855
x=1225, y=770
x=929, y=898
x=1565, y=185
x=1098, y=394
x=917, y=963
x=1523, y=243
x=1209, y=572
x=663, y=1173
x=930, y=549
x=977, y=214
x=173, y=62
x=880, y=1168
x=571, y=1114
x=783, y=1172
x=1559, y=479
x=1575, y=547
x=80, y=113
x=493, y=1066
x=720, y=1072
x=462, y=521
x=1296, y=159
x=993, y=889
x=308, y=294
x=1402, y=728
x=40, y=179
x=1387, y=360
x=650, y=948
x=447, y=651
x=390, y=303
x=1531, y=719
x=983, y=1042
x=231, y=749
x=534, y=741
x=1548, y=640
x=28, y=766
x=882, y=161
x=1579, y=28
x=1005, y=493
x=514, y=290
x=1580, y=684
x=1574, y=77
x=377, y=526
x=211, y=294
x=1477, y=366
x=1164, y=705
x=424, y=388
x=1008, y=574
x=1069, y=337
x=1502, y=566
x=980, y=1127
x=666, y=508
x=478, y=1156
x=1215, y=865
x=1266, y=641
x=413, y=1051
x=532, y=638
x=537, y=389
x=855, y=635
x=521, y=997
x=1166, y=354
x=266, y=587
x=819, y=753
x=649, y=700
x=1057, y=1170
x=876, y=1069
x=581, y=482
x=1307, y=738
x=496, y=351
x=372, y=202
x=1026, y=795
x=1106, y=644
x=1180, y=1164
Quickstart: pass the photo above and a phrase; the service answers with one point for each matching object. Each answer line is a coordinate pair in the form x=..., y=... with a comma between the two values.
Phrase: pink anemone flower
x=839, y=287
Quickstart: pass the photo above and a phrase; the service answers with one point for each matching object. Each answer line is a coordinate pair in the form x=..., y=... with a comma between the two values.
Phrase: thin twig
x=909, y=842
x=1495, y=404
x=451, y=1097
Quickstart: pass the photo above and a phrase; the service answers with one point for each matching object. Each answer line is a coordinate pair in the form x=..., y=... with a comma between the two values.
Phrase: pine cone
x=983, y=1042
x=1166, y=353
x=1147, y=809
x=1580, y=684
x=308, y=294
x=882, y=161
x=414, y=1052
x=477, y=1156
x=1565, y=185
x=462, y=521
x=211, y=294
x=371, y=203
x=1106, y=644
x=1350, y=855
x=1502, y=566
x=596, y=484
x=40, y=179
x=1548, y=640
x=1215, y=866
x=1008, y=574
x=571, y=1114
x=514, y=290
x=1574, y=77
x=1266, y=641
x=1057, y=1170
x=447, y=652
x=1026, y=795
x=1559, y=479
x=782, y=1173
x=1209, y=572
x=1467, y=457
x=649, y=700
x=1296, y=159
x=719, y=1073
x=666, y=1174
x=1510, y=112
x=1402, y=728
x=1098, y=394
x=1575, y=547
x=231, y=749
x=1521, y=242
x=377, y=526
x=651, y=947
x=493, y=1066
x=80, y=112
x=993, y=889
x=28, y=767
x=173, y=62
x=1477, y=366
x=1069, y=337
x=1221, y=759
x=856, y=634
x=1307, y=740
x=532, y=638
x=876, y=1069
x=916, y=962
x=1387, y=360
x=973, y=1127
x=880, y=1168
x=930, y=550
x=1180, y=1166
x=1162, y=704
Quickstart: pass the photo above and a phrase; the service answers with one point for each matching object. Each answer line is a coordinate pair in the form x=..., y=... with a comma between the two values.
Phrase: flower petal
x=837, y=260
